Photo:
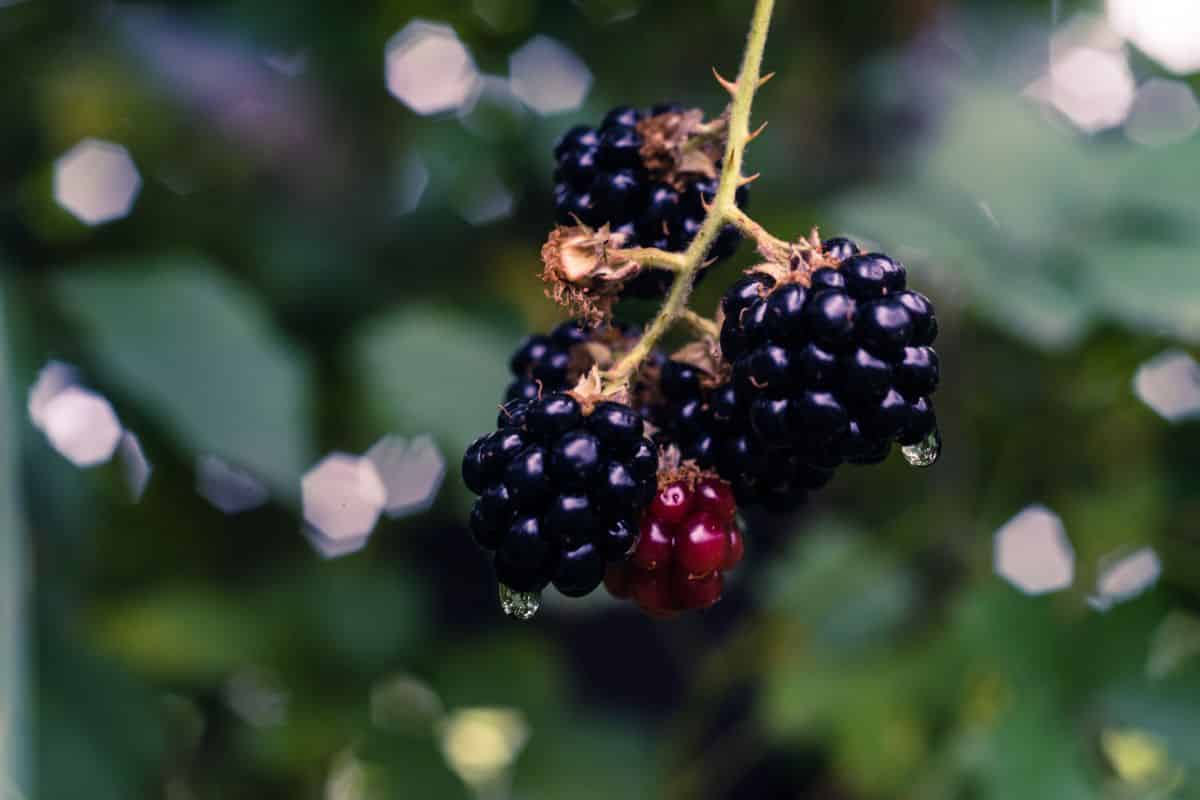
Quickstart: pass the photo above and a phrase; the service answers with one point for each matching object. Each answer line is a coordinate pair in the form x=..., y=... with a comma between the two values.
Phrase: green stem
x=651, y=257
x=723, y=205
x=702, y=325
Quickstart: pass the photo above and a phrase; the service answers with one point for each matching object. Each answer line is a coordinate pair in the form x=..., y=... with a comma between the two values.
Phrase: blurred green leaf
x=435, y=371
x=200, y=353
x=185, y=633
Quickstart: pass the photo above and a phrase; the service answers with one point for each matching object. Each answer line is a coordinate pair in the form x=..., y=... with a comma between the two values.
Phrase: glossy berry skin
x=688, y=539
x=554, y=415
x=617, y=539
x=580, y=570
x=701, y=545
x=827, y=367
x=559, y=488
x=672, y=504
x=621, y=116
x=600, y=179
x=579, y=136
x=575, y=459
x=654, y=546
x=829, y=319
x=617, y=425
x=693, y=593
x=884, y=327
x=839, y=249
x=918, y=372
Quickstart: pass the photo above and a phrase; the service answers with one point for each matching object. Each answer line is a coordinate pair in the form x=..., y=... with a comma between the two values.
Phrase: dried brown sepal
x=673, y=469
x=705, y=355
x=678, y=146
x=803, y=257
x=580, y=271
x=590, y=390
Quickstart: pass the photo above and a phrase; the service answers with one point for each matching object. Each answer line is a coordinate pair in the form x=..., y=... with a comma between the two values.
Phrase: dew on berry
x=519, y=605
x=925, y=453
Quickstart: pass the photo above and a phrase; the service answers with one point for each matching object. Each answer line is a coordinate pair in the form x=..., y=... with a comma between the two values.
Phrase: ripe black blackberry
x=603, y=176
x=680, y=409
x=545, y=363
x=825, y=370
x=560, y=490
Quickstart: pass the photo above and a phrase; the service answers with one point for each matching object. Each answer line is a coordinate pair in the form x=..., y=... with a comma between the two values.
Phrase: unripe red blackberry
x=689, y=539
x=828, y=366
x=560, y=488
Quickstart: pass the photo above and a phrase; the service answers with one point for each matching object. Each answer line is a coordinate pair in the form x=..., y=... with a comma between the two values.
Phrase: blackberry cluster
x=682, y=413
x=560, y=491
x=601, y=178
x=688, y=539
x=551, y=363
x=823, y=374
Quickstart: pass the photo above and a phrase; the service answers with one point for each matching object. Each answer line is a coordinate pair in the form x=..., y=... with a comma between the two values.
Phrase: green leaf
x=185, y=633
x=201, y=354
x=435, y=371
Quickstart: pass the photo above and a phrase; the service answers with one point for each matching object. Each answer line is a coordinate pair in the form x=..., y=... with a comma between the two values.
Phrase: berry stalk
x=723, y=205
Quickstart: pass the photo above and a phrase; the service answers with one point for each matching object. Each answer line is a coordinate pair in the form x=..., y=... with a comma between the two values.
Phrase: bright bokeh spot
x=134, y=465
x=1093, y=88
x=343, y=497
x=82, y=426
x=1166, y=30
x=1164, y=112
x=548, y=77
x=487, y=201
x=1126, y=578
x=96, y=181
x=1170, y=384
x=429, y=69
x=51, y=381
x=480, y=744
x=412, y=473
x=229, y=489
x=404, y=704
x=1032, y=552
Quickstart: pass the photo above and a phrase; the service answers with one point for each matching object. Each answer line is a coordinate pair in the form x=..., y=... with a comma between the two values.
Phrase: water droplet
x=925, y=452
x=521, y=605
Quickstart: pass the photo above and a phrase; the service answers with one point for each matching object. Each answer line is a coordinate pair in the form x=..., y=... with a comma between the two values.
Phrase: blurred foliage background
x=309, y=265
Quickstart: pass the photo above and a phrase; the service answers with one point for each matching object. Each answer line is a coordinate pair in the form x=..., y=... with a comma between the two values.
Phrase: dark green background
x=865, y=650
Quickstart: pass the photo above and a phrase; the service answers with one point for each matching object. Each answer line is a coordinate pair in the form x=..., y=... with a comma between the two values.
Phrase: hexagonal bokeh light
x=134, y=465
x=96, y=181
x=53, y=378
x=1166, y=30
x=343, y=497
x=1093, y=87
x=1164, y=112
x=1126, y=578
x=227, y=488
x=82, y=426
x=1031, y=551
x=412, y=473
x=429, y=69
x=548, y=77
x=1170, y=384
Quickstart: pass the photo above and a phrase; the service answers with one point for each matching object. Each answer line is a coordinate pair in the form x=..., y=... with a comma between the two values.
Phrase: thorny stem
x=699, y=323
x=769, y=247
x=723, y=206
x=652, y=257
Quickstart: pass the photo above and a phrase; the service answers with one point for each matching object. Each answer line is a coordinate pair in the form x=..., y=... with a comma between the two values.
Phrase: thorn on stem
x=749, y=179
x=729, y=86
x=764, y=79
x=757, y=133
